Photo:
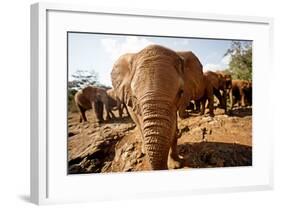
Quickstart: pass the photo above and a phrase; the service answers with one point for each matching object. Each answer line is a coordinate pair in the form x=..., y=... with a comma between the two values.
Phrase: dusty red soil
x=115, y=146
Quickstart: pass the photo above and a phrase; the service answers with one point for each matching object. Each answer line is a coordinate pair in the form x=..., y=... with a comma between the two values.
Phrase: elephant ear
x=121, y=76
x=181, y=71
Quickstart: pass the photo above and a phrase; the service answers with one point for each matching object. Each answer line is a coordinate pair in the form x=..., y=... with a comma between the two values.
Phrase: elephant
x=114, y=103
x=92, y=98
x=151, y=84
x=196, y=86
x=242, y=92
x=220, y=82
x=248, y=93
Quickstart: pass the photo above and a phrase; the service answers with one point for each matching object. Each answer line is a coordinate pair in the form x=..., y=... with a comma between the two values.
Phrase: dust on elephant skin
x=156, y=85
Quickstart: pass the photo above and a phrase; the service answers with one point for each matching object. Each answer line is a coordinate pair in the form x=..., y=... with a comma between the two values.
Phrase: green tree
x=240, y=65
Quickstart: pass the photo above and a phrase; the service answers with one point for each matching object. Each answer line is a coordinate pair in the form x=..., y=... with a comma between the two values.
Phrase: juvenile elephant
x=248, y=93
x=196, y=86
x=151, y=84
x=242, y=92
x=221, y=83
x=114, y=103
x=92, y=98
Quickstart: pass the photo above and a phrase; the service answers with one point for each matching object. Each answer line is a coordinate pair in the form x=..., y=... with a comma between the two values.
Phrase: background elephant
x=114, y=103
x=248, y=93
x=221, y=83
x=150, y=82
x=92, y=98
x=196, y=86
x=242, y=92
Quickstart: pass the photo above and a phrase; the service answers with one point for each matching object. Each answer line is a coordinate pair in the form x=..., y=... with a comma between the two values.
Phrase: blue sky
x=98, y=52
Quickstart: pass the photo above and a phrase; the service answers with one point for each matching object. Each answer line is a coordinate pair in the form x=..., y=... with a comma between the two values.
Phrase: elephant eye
x=180, y=93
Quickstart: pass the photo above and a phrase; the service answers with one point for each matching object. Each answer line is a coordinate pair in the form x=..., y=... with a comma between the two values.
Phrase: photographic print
x=138, y=103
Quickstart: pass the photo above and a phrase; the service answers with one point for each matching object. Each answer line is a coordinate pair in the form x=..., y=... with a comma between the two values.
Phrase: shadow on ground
x=123, y=120
x=241, y=112
x=215, y=154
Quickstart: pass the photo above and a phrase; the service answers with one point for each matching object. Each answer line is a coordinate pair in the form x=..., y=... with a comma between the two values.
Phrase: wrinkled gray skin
x=150, y=83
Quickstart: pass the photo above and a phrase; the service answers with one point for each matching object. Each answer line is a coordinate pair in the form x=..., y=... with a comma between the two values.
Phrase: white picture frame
x=49, y=180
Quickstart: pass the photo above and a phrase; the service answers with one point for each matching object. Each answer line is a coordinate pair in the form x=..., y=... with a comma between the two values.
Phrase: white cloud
x=222, y=65
x=131, y=44
x=226, y=59
x=212, y=67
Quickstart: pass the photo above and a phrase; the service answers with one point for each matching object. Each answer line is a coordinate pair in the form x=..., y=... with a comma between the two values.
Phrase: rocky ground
x=115, y=146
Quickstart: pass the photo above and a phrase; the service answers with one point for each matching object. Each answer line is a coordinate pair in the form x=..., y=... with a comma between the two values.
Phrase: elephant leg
x=243, y=100
x=231, y=99
x=211, y=106
x=224, y=97
x=95, y=111
x=82, y=114
x=98, y=111
x=210, y=97
x=220, y=98
x=203, y=101
x=174, y=160
x=120, y=111
x=197, y=105
x=182, y=109
x=107, y=112
x=112, y=114
x=126, y=109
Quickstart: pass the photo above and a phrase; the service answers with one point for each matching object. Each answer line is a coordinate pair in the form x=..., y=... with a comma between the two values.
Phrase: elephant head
x=150, y=82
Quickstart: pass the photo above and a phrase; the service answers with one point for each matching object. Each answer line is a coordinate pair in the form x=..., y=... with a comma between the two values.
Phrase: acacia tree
x=80, y=80
x=240, y=65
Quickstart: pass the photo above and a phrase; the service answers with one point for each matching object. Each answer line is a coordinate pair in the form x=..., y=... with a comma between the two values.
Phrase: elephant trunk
x=157, y=131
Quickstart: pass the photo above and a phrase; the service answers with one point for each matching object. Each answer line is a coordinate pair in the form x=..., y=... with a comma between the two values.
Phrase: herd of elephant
x=155, y=86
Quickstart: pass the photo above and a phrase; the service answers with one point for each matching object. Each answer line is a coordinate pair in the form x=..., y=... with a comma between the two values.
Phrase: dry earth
x=115, y=146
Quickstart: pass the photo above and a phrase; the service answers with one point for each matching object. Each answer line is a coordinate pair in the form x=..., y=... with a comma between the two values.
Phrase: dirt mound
x=222, y=141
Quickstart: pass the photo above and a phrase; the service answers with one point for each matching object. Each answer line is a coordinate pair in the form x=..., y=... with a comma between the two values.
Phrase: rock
x=106, y=167
x=118, y=153
x=133, y=161
x=70, y=134
x=125, y=155
x=140, y=155
x=74, y=169
x=207, y=119
x=85, y=163
x=130, y=148
x=128, y=167
x=196, y=130
x=184, y=129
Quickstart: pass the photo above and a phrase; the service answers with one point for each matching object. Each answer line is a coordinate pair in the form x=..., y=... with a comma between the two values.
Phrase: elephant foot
x=100, y=121
x=212, y=114
x=229, y=113
x=184, y=115
x=175, y=163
